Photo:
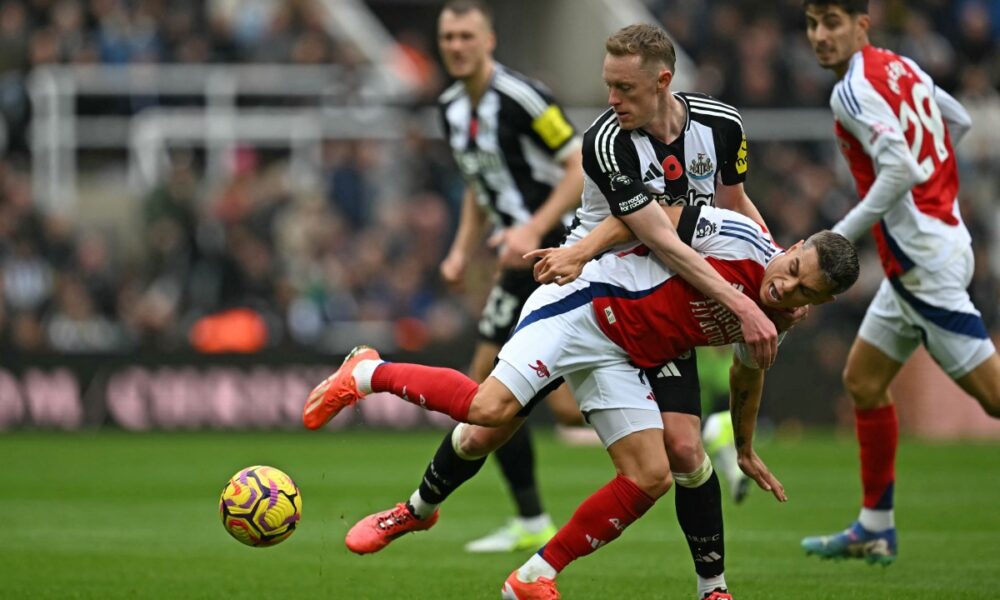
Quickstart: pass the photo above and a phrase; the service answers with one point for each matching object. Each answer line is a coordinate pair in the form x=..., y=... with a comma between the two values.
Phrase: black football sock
x=699, y=512
x=517, y=462
x=446, y=472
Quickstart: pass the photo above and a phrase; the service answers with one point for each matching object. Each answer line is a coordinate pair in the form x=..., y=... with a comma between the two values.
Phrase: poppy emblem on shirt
x=672, y=168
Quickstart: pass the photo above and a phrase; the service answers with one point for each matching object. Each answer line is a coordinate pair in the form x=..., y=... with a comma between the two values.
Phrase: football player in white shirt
x=897, y=131
x=638, y=70
x=626, y=312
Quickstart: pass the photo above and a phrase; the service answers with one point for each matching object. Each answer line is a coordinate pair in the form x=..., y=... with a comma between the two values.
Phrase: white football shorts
x=557, y=336
x=933, y=309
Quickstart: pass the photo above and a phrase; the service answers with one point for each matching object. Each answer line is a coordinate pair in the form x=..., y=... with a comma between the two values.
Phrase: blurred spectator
x=976, y=40
x=75, y=325
x=28, y=277
x=350, y=192
x=981, y=144
x=761, y=79
x=13, y=36
x=304, y=268
x=413, y=61
x=932, y=51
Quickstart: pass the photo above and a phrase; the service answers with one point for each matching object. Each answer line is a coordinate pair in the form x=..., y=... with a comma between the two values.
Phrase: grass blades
x=116, y=515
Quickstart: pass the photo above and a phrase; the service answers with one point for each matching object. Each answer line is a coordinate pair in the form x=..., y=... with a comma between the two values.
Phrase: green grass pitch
x=115, y=515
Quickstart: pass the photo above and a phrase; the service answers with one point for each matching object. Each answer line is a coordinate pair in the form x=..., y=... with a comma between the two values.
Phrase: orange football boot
x=542, y=588
x=338, y=391
x=377, y=531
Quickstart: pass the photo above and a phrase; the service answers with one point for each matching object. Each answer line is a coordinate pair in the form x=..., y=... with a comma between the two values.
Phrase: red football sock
x=878, y=435
x=434, y=388
x=597, y=521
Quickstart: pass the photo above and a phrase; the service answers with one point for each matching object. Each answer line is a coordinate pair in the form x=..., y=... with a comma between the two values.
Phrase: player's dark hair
x=851, y=7
x=648, y=41
x=460, y=7
x=838, y=259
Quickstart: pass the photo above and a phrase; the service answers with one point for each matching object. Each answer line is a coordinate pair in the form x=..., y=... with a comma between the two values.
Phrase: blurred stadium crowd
x=281, y=266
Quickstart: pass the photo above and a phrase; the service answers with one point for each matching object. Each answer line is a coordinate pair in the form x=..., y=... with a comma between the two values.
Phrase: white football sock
x=707, y=585
x=421, y=508
x=363, y=372
x=877, y=520
x=535, y=567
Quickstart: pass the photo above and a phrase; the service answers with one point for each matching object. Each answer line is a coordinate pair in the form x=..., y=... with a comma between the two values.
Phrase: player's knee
x=983, y=384
x=475, y=442
x=655, y=480
x=991, y=400
x=685, y=452
x=864, y=391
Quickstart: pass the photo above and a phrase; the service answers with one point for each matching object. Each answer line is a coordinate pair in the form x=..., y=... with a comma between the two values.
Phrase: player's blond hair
x=648, y=41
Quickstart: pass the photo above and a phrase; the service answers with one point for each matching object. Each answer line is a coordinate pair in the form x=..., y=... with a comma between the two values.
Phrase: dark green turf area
x=115, y=515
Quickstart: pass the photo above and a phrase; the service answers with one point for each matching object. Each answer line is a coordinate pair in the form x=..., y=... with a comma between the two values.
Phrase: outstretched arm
x=746, y=385
x=563, y=265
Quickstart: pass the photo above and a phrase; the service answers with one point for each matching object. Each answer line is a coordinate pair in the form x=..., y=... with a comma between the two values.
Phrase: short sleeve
x=611, y=161
x=540, y=116
x=726, y=234
x=552, y=129
x=735, y=157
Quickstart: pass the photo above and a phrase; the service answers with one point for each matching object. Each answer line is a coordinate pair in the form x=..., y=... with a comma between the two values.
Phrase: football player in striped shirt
x=706, y=157
x=520, y=158
x=897, y=130
x=674, y=148
x=626, y=312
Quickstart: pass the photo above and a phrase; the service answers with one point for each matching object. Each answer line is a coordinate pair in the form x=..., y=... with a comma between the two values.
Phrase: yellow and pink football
x=260, y=506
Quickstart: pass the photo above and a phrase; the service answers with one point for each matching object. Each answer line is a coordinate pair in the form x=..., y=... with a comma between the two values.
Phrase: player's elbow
x=573, y=161
x=668, y=246
x=866, y=392
x=961, y=120
x=904, y=176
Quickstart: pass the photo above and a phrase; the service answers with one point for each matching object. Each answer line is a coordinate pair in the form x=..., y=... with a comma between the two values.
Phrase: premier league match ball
x=260, y=506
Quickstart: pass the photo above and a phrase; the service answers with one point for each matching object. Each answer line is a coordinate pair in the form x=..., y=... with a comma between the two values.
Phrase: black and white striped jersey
x=625, y=170
x=510, y=146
